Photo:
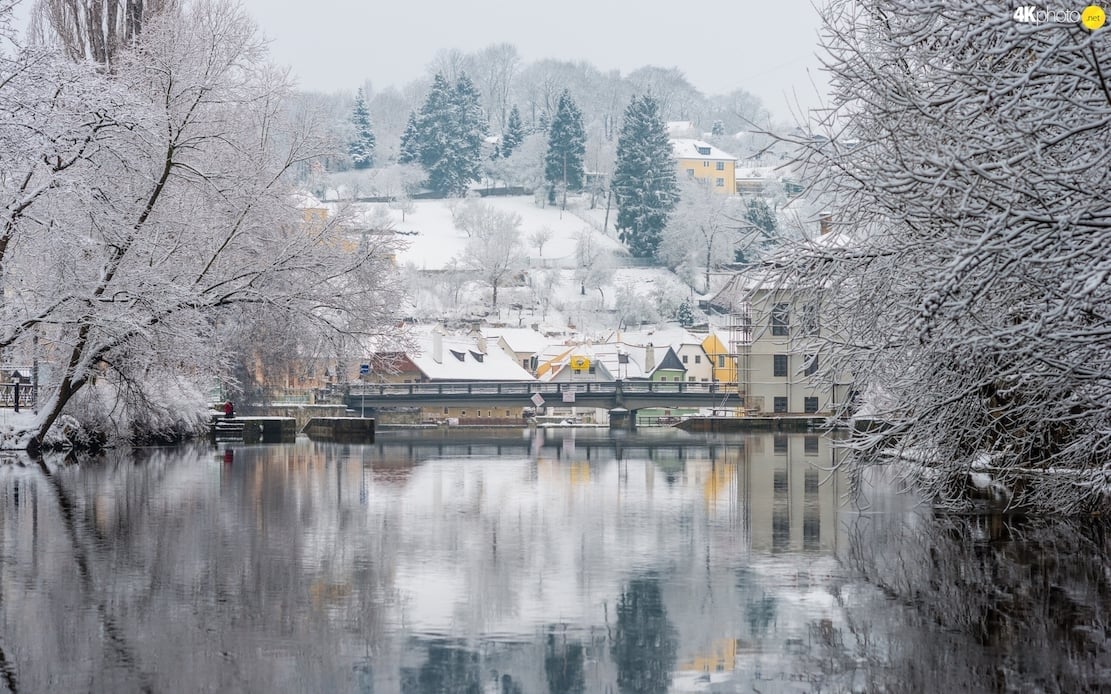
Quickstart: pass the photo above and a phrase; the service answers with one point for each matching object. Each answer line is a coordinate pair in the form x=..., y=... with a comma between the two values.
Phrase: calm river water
x=567, y=560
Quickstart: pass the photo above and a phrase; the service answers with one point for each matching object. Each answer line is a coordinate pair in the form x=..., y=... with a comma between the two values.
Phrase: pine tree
x=470, y=133
x=446, y=136
x=361, y=147
x=514, y=133
x=409, y=152
x=563, y=164
x=685, y=314
x=644, y=183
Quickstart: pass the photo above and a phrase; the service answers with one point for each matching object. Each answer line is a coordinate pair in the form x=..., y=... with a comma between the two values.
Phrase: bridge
x=629, y=395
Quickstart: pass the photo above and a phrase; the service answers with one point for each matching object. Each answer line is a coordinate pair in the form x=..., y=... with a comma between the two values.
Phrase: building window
x=781, y=314
x=721, y=361
x=590, y=370
x=705, y=164
x=810, y=405
x=524, y=364
x=810, y=447
x=507, y=413
x=698, y=359
x=690, y=173
x=811, y=364
x=779, y=444
x=691, y=379
x=445, y=410
x=684, y=359
x=704, y=151
x=720, y=183
x=779, y=405
x=779, y=365
x=721, y=166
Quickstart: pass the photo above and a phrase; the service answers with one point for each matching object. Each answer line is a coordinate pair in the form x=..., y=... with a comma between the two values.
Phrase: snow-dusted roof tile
x=697, y=149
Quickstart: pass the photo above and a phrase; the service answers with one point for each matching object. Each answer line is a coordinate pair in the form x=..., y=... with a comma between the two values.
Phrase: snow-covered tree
x=493, y=252
x=410, y=147
x=95, y=30
x=361, y=145
x=563, y=163
x=446, y=136
x=964, y=284
x=593, y=263
x=701, y=234
x=147, y=214
x=644, y=183
x=513, y=135
x=759, y=224
x=525, y=167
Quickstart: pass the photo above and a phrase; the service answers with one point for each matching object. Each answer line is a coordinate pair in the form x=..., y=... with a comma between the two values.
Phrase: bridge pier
x=620, y=418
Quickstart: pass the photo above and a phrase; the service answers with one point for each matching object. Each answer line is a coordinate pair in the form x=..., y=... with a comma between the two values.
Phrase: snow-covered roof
x=698, y=149
x=461, y=358
x=523, y=340
x=665, y=336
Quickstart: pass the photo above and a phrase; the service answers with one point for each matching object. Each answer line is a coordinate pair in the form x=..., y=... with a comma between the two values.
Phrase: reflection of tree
x=448, y=669
x=563, y=664
x=645, y=643
x=1004, y=603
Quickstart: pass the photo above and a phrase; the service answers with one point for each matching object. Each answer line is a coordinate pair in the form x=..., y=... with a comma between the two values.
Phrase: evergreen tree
x=644, y=182
x=361, y=147
x=410, y=142
x=685, y=314
x=718, y=129
x=563, y=164
x=470, y=135
x=514, y=133
x=761, y=219
x=445, y=137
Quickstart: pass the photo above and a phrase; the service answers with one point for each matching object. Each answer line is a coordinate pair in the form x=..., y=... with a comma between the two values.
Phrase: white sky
x=767, y=48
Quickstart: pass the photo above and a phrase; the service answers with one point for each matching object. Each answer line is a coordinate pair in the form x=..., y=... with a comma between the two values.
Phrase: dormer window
x=478, y=356
x=458, y=355
x=704, y=151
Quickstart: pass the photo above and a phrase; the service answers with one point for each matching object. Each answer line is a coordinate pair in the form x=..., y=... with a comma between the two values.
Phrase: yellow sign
x=580, y=363
x=1093, y=17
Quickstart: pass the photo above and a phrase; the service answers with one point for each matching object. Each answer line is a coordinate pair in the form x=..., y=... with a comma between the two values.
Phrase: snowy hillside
x=569, y=273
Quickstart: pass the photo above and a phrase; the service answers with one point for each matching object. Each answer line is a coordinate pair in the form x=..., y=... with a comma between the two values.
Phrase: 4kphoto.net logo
x=1091, y=17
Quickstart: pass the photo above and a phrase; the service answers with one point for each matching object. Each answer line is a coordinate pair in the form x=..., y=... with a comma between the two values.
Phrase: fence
x=27, y=395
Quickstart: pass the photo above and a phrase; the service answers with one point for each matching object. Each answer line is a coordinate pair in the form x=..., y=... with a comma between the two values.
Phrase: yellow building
x=704, y=162
x=724, y=363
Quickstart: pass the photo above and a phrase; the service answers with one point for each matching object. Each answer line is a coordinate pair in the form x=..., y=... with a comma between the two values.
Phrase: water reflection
x=561, y=561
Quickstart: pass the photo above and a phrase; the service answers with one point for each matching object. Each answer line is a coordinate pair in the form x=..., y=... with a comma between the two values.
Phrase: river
x=510, y=561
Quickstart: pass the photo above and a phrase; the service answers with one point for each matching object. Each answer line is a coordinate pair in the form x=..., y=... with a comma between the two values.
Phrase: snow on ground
x=433, y=240
x=627, y=293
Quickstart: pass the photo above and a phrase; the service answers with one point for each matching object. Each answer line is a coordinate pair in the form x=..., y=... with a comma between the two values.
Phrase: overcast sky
x=767, y=48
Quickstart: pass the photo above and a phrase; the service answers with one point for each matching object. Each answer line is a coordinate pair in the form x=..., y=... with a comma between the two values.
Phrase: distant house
x=704, y=162
x=439, y=357
x=524, y=345
x=312, y=209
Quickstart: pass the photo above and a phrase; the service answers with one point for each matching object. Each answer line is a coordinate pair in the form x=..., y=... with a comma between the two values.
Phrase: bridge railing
x=528, y=388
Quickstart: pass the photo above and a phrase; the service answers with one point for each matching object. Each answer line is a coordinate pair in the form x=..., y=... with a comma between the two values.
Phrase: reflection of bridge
x=630, y=395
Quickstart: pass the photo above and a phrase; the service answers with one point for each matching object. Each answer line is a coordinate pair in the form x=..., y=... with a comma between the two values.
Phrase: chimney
x=481, y=341
x=649, y=358
x=825, y=223
x=438, y=345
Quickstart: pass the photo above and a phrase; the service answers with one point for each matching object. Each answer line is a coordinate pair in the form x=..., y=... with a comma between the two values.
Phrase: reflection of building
x=792, y=497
